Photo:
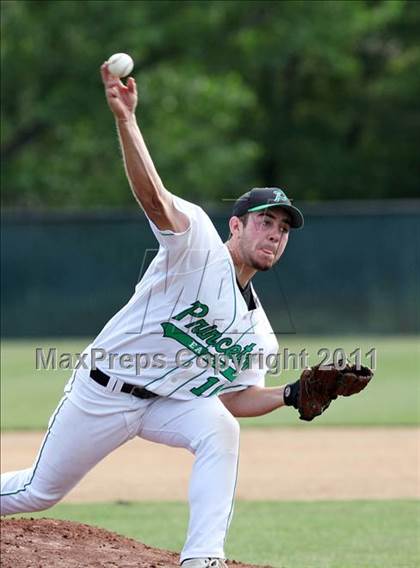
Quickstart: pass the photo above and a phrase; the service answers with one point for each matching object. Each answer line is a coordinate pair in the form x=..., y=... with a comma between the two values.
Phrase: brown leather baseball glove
x=319, y=386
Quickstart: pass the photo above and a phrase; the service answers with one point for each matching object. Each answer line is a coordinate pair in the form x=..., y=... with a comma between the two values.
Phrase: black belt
x=103, y=379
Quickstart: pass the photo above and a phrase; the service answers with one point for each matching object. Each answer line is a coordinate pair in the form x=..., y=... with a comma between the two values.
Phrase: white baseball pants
x=91, y=421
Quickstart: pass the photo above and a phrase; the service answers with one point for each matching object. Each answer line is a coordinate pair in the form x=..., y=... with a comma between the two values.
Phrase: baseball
x=120, y=64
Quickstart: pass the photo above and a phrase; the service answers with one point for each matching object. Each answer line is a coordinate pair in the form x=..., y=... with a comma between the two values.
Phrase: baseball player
x=197, y=321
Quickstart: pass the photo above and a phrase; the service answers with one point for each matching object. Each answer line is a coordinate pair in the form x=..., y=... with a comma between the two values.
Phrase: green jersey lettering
x=211, y=381
x=172, y=331
x=219, y=345
x=211, y=336
x=196, y=325
x=234, y=350
x=197, y=309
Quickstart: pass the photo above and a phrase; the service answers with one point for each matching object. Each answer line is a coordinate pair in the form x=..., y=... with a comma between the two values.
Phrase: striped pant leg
x=75, y=441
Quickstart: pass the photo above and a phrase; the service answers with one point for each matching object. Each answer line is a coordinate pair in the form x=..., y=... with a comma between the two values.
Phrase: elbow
x=231, y=403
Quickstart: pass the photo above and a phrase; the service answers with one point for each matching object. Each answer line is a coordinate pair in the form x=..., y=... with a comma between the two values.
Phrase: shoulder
x=199, y=233
x=200, y=222
x=189, y=208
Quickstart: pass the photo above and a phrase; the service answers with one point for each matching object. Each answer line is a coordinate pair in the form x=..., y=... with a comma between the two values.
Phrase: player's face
x=264, y=238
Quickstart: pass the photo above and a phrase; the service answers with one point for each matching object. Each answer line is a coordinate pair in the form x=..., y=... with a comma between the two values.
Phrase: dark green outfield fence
x=353, y=269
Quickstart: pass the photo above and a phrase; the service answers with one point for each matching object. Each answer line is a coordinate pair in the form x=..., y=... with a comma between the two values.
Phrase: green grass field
x=341, y=534
x=351, y=534
x=28, y=397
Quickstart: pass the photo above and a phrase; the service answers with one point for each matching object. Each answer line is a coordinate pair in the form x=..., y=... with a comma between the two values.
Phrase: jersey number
x=211, y=381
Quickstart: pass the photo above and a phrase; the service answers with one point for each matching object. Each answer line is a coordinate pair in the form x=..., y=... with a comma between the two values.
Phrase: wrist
x=130, y=119
x=291, y=394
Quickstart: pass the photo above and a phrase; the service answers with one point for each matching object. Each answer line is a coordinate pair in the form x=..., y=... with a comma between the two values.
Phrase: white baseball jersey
x=187, y=331
x=187, y=307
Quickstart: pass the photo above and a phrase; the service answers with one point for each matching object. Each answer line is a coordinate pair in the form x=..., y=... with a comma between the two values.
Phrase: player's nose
x=275, y=236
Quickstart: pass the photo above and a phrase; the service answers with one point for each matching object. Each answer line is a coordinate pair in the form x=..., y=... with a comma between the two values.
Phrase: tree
x=317, y=96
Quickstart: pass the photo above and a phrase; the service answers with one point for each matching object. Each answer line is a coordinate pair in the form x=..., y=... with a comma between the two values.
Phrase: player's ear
x=234, y=224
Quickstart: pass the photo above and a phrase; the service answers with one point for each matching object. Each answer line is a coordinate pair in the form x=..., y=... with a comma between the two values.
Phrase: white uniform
x=187, y=335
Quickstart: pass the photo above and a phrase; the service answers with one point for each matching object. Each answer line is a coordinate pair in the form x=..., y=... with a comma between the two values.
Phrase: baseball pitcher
x=198, y=317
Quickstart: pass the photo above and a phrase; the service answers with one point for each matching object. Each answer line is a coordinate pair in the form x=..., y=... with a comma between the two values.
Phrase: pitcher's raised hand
x=122, y=99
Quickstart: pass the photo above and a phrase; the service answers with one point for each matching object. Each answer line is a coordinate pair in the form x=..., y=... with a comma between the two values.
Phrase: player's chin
x=264, y=264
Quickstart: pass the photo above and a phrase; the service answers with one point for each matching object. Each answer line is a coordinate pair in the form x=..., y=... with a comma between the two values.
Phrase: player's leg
x=76, y=440
x=206, y=428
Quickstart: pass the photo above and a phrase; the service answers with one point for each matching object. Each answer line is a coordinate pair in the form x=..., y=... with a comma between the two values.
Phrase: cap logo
x=279, y=196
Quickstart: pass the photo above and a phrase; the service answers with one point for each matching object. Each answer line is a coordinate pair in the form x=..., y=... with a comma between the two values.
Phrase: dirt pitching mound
x=48, y=543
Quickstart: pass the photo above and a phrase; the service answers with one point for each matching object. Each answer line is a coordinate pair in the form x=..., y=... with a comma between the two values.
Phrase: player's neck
x=244, y=273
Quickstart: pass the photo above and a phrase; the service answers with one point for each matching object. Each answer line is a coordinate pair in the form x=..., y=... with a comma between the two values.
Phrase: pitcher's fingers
x=131, y=84
x=108, y=78
x=105, y=72
x=112, y=92
x=123, y=88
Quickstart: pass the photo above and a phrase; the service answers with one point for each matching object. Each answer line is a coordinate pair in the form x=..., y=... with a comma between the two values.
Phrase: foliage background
x=320, y=97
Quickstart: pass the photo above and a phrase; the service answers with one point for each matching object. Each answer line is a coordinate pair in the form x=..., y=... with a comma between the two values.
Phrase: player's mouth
x=268, y=252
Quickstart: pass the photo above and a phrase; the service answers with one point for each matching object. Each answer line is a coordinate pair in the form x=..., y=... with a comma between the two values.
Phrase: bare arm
x=254, y=401
x=144, y=180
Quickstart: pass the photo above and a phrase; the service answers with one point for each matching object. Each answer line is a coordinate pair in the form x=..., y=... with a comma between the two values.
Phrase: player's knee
x=223, y=436
x=231, y=432
x=41, y=501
